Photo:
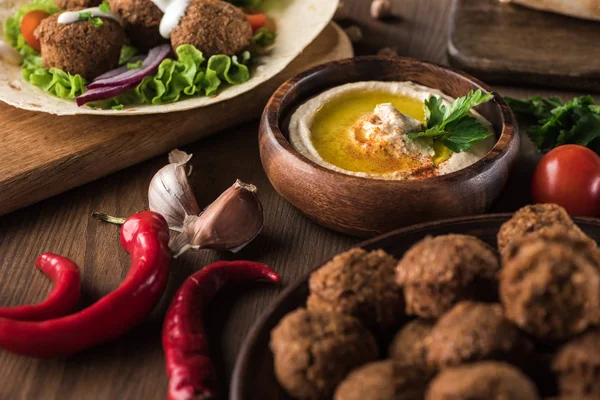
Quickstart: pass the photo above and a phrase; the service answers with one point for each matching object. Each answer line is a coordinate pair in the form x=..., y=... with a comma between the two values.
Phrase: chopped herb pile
x=557, y=123
x=454, y=126
x=104, y=7
x=87, y=16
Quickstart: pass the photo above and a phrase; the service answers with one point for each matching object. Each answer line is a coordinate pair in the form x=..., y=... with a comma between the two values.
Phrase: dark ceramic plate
x=254, y=378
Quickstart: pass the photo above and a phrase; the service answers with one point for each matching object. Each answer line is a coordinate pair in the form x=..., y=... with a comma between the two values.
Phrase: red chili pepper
x=63, y=298
x=190, y=370
x=145, y=236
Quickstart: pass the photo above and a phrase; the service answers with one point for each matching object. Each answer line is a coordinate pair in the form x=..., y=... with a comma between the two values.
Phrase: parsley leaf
x=104, y=7
x=577, y=122
x=97, y=22
x=454, y=126
x=87, y=16
x=84, y=15
x=118, y=107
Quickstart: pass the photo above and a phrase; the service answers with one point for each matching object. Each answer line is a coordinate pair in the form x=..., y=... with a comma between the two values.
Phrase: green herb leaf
x=104, y=7
x=84, y=15
x=434, y=111
x=118, y=107
x=127, y=53
x=461, y=107
x=537, y=107
x=577, y=122
x=263, y=37
x=97, y=22
x=454, y=126
x=134, y=65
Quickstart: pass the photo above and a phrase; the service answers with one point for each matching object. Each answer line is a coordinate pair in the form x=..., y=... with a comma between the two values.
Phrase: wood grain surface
x=44, y=155
x=132, y=367
x=510, y=44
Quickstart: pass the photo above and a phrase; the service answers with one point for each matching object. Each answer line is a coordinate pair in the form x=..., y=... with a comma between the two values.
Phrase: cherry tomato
x=257, y=20
x=569, y=176
x=30, y=21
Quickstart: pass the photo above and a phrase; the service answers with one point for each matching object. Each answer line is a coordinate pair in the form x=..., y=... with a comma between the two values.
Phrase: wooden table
x=132, y=367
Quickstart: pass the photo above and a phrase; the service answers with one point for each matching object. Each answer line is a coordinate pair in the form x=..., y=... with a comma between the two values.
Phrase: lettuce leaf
x=188, y=75
x=12, y=25
x=54, y=81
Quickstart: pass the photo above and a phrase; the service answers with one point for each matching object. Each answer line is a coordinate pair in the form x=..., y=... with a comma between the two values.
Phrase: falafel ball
x=382, y=380
x=438, y=272
x=471, y=332
x=409, y=346
x=314, y=351
x=535, y=218
x=76, y=4
x=488, y=380
x=213, y=27
x=550, y=284
x=141, y=20
x=577, y=366
x=80, y=48
x=361, y=284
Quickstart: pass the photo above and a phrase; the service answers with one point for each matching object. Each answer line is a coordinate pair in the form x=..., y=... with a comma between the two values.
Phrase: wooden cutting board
x=510, y=44
x=43, y=155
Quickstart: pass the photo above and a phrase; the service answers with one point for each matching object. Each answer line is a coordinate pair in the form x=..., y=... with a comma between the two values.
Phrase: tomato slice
x=257, y=20
x=29, y=23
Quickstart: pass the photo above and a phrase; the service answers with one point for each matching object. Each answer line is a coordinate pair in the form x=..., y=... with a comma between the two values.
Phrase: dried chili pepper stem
x=108, y=218
x=63, y=298
x=145, y=236
x=190, y=370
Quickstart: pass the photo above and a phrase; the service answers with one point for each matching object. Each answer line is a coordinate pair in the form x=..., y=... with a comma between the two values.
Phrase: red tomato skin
x=29, y=23
x=569, y=176
x=257, y=20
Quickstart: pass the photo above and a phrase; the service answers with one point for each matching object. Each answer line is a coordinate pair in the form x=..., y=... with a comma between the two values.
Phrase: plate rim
x=242, y=361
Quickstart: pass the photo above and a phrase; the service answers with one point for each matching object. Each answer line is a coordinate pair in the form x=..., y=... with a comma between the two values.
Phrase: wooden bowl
x=364, y=206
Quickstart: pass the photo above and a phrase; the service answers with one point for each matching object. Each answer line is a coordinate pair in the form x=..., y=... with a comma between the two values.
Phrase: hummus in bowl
x=362, y=129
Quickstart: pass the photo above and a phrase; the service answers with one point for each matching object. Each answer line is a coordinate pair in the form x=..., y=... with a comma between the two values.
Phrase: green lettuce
x=12, y=25
x=189, y=75
x=54, y=81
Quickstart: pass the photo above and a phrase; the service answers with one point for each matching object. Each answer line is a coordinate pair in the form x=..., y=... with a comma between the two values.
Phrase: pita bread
x=298, y=23
x=586, y=9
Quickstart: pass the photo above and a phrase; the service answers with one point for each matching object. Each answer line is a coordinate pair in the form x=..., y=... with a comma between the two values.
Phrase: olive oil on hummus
x=361, y=129
x=336, y=139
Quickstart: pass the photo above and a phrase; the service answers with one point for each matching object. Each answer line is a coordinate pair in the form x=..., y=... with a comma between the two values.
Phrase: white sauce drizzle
x=69, y=17
x=162, y=4
x=173, y=13
x=9, y=54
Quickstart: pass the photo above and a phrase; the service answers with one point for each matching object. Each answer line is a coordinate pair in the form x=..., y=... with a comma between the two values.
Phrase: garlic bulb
x=231, y=222
x=170, y=193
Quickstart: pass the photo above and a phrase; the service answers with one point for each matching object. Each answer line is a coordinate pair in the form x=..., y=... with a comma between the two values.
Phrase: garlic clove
x=231, y=222
x=170, y=193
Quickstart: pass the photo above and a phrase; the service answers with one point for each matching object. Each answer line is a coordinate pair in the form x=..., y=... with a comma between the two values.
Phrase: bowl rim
x=270, y=125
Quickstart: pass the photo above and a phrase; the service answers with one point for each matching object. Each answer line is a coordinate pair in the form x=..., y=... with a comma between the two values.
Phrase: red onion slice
x=122, y=79
x=149, y=66
x=120, y=70
x=104, y=93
